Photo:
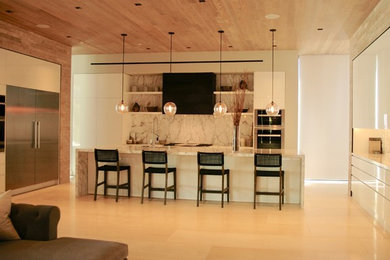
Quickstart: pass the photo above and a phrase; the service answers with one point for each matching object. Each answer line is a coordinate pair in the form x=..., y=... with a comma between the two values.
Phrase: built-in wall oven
x=269, y=130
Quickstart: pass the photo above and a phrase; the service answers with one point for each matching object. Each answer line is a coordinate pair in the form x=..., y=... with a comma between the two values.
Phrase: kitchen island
x=184, y=158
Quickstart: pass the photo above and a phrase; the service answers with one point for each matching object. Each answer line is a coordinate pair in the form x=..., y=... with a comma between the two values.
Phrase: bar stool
x=207, y=165
x=269, y=165
x=110, y=156
x=157, y=158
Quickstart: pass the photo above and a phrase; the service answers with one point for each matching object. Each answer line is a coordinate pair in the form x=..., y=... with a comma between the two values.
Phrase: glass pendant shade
x=121, y=107
x=220, y=109
x=272, y=109
x=170, y=108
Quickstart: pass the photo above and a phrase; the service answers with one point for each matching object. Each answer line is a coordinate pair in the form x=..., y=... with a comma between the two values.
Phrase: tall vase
x=236, y=138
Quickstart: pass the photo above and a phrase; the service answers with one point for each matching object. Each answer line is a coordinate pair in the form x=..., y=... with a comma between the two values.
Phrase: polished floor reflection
x=330, y=226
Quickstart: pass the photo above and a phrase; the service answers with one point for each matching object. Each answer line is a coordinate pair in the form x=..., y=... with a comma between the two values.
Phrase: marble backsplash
x=188, y=128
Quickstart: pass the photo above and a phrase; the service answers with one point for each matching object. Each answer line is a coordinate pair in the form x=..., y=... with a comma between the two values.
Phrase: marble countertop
x=382, y=160
x=192, y=150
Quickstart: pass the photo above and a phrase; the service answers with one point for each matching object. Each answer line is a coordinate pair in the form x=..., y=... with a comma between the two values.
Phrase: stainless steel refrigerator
x=32, y=130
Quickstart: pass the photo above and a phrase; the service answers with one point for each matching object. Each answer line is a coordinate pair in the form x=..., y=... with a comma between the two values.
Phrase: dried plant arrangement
x=238, y=100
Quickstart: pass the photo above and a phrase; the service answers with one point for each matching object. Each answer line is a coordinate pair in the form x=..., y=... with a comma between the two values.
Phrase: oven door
x=269, y=139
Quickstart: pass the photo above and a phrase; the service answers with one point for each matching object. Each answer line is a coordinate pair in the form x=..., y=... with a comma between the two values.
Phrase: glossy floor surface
x=330, y=226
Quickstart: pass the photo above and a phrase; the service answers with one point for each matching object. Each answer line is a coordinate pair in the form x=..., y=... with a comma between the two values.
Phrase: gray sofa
x=37, y=228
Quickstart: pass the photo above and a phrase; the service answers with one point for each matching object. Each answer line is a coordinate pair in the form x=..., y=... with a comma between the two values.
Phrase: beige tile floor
x=330, y=226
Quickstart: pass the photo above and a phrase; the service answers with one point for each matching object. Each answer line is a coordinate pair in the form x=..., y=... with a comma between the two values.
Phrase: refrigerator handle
x=38, y=134
x=35, y=135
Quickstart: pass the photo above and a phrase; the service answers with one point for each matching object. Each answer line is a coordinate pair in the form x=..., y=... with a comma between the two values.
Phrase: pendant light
x=220, y=108
x=272, y=108
x=121, y=107
x=170, y=107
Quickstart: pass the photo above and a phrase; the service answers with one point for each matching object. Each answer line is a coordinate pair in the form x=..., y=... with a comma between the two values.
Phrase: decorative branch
x=239, y=99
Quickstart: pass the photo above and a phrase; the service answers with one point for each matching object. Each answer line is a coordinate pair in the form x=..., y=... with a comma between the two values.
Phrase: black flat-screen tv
x=193, y=93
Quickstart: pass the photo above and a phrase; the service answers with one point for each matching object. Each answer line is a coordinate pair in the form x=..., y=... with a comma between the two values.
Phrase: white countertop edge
x=178, y=150
x=376, y=159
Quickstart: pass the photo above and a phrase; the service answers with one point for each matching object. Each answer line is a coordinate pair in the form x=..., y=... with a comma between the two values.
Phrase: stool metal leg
x=222, y=188
x=201, y=188
x=96, y=183
x=105, y=183
x=280, y=191
x=143, y=187
x=149, y=184
x=228, y=187
x=254, y=191
x=128, y=183
x=198, y=190
x=283, y=189
x=165, y=188
x=174, y=184
x=117, y=185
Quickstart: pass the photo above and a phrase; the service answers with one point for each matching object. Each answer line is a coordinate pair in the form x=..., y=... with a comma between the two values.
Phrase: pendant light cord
x=220, y=64
x=170, y=52
x=123, y=61
x=273, y=46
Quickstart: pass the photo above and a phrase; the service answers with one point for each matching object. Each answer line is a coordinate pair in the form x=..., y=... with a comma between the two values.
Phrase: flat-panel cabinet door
x=364, y=78
x=20, y=117
x=46, y=154
x=263, y=89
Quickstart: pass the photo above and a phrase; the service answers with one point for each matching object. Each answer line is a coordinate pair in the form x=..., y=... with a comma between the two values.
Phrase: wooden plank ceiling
x=94, y=26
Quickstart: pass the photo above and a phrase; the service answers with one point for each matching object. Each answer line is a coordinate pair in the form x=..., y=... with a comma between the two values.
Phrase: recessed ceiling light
x=9, y=11
x=272, y=16
x=78, y=7
x=137, y=4
x=139, y=44
x=43, y=26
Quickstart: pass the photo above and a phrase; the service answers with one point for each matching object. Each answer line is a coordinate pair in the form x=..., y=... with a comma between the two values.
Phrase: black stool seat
x=213, y=172
x=213, y=160
x=159, y=170
x=269, y=165
x=113, y=167
x=268, y=173
x=157, y=158
x=110, y=156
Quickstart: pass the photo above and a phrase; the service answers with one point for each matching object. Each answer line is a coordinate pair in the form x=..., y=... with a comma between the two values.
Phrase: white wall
x=324, y=115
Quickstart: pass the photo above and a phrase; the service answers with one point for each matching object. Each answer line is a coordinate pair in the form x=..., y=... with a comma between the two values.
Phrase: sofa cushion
x=7, y=230
x=63, y=248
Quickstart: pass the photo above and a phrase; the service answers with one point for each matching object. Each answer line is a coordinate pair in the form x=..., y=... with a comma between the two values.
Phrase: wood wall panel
x=25, y=42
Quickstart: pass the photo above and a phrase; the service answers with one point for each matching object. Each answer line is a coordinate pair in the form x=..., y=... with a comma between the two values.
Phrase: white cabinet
x=95, y=121
x=263, y=89
x=371, y=188
x=29, y=72
x=364, y=70
x=371, y=79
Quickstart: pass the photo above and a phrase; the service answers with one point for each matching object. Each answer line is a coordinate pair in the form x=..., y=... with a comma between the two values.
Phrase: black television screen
x=193, y=93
